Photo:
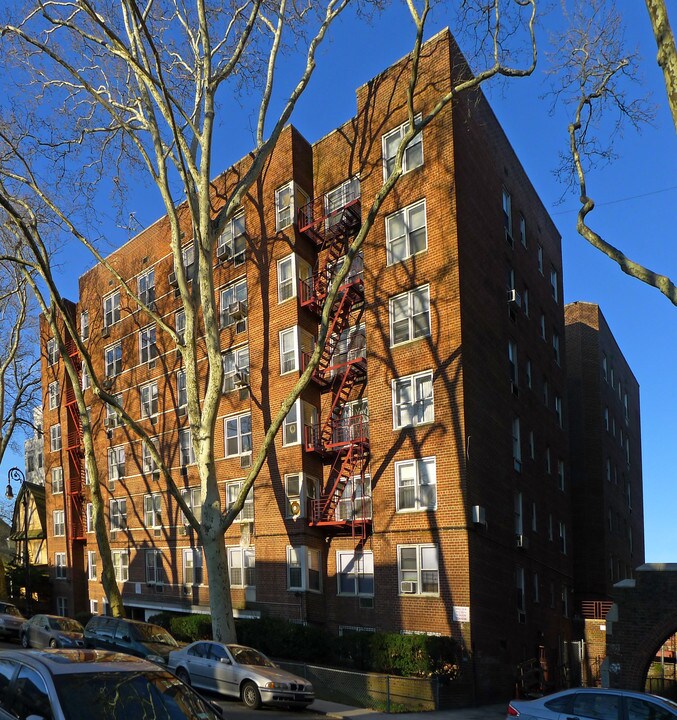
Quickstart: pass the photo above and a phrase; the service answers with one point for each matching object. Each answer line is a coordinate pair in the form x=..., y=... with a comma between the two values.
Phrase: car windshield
x=154, y=634
x=65, y=625
x=123, y=695
x=9, y=610
x=249, y=656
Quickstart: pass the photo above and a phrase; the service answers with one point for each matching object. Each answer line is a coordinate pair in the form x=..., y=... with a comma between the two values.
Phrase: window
x=539, y=258
x=512, y=361
x=542, y=326
x=299, y=489
x=116, y=463
x=532, y=445
x=186, y=451
x=191, y=497
x=91, y=566
x=234, y=306
x=90, y=517
x=507, y=215
x=304, y=569
x=338, y=198
x=288, y=200
x=121, y=565
x=563, y=538
x=188, y=260
x=232, y=492
x=60, y=566
x=113, y=360
x=413, y=401
x=111, y=309
x=84, y=325
x=410, y=315
x=242, y=566
x=232, y=243
x=525, y=301
x=350, y=345
x=155, y=574
x=59, y=523
x=52, y=352
x=181, y=391
x=118, y=514
x=55, y=438
x=147, y=346
x=554, y=285
x=606, y=419
x=291, y=432
x=416, y=484
x=286, y=287
x=355, y=501
x=548, y=461
x=605, y=368
x=418, y=570
x=536, y=586
x=53, y=394
x=149, y=400
x=413, y=153
x=560, y=474
x=192, y=566
x=406, y=233
x=111, y=419
x=516, y=445
x=518, y=514
x=523, y=230
x=238, y=435
x=555, y=347
x=558, y=411
x=57, y=480
x=146, y=287
x=62, y=610
x=152, y=510
x=519, y=593
x=236, y=369
x=527, y=372
x=180, y=324
x=288, y=350
x=86, y=381
x=534, y=517
x=355, y=573
x=148, y=464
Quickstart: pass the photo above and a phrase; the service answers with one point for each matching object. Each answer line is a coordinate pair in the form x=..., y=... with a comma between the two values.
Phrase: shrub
x=189, y=628
x=414, y=655
x=285, y=640
x=164, y=619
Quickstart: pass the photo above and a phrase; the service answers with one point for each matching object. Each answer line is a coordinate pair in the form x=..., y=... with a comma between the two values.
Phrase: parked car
x=241, y=672
x=11, y=620
x=81, y=684
x=130, y=636
x=594, y=703
x=52, y=631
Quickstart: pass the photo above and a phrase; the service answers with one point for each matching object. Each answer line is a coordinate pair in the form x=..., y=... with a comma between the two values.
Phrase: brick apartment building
x=422, y=482
x=606, y=468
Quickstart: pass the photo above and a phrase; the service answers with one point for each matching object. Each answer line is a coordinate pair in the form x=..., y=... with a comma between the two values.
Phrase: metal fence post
x=387, y=693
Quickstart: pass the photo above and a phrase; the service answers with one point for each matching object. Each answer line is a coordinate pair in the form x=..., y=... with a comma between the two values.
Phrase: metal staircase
x=344, y=442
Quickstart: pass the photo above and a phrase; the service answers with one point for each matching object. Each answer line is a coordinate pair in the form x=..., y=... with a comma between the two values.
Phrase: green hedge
x=391, y=653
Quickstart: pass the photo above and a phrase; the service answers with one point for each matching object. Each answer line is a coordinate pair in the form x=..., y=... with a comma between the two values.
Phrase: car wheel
x=24, y=641
x=251, y=696
x=53, y=643
x=183, y=676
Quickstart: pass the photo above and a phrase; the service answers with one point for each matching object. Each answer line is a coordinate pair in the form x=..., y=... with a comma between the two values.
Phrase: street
x=234, y=709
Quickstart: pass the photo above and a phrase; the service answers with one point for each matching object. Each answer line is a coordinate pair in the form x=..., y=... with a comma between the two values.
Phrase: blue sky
x=636, y=198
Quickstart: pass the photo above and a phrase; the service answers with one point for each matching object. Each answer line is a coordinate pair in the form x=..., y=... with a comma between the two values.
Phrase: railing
x=322, y=221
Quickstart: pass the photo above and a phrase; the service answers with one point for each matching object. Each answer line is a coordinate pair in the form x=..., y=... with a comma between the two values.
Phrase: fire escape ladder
x=339, y=319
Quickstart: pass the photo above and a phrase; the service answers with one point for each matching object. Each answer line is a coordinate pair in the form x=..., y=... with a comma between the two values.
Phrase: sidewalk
x=345, y=712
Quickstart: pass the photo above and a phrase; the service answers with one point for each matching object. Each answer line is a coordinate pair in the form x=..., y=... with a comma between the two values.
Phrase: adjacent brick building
x=422, y=483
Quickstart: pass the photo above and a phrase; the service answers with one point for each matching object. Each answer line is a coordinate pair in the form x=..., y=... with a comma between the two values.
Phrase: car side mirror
x=225, y=661
x=125, y=638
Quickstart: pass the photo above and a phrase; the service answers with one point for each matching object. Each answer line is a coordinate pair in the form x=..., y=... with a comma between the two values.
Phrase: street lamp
x=17, y=476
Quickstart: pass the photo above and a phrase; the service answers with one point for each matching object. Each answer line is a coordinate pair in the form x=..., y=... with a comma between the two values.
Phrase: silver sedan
x=241, y=672
x=53, y=631
x=594, y=704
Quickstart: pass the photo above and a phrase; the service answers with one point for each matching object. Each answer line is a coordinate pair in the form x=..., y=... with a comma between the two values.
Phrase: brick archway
x=643, y=616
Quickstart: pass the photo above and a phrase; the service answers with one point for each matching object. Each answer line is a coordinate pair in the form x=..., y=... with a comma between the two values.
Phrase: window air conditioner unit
x=407, y=587
x=171, y=278
x=105, y=331
x=182, y=410
x=246, y=460
x=522, y=541
x=479, y=515
x=241, y=378
x=224, y=252
x=514, y=298
x=237, y=310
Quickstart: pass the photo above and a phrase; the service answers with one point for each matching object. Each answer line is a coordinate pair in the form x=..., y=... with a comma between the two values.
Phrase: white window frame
x=416, y=484
x=305, y=561
x=516, y=444
x=57, y=480
x=193, y=566
x=186, y=450
x=506, y=202
x=90, y=517
x=232, y=243
x=232, y=491
x=285, y=215
x=414, y=575
x=146, y=287
x=234, y=292
x=84, y=325
x=52, y=352
x=59, y=523
x=92, y=573
x=121, y=565
x=111, y=309
x=180, y=324
x=513, y=362
x=243, y=440
x=409, y=158
x=287, y=286
x=242, y=563
x=147, y=344
x=289, y=355
x=53, y=395
x=556, y=347
x=60, y=567
x=554, y=284
x=234, y=361
x=152, y=510
x=181, y=389
x=154, y=567
x=116, y=463
x=523, y=230
x=292, y=432
x=406, y=302
x=405, y=215
x=427, y=404
x=356, y=568
x=148, y=464
x=307, y=490
x=191, y=497
x=55, y=437
x=149, y=399
x=118, y=514
x=113, y=360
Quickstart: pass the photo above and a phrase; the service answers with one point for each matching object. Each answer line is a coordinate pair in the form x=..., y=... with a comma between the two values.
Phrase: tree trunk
x=216, y=561
x=667, y=54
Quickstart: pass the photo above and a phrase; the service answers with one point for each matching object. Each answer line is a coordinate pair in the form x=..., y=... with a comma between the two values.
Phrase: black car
x=81, y=684
x=130, y=636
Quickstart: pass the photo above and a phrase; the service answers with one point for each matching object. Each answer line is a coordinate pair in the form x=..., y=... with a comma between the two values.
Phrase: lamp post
x=17, y=475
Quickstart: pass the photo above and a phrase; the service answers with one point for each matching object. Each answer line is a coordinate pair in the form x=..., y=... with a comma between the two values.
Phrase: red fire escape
x=75, y=508
x=340, y=438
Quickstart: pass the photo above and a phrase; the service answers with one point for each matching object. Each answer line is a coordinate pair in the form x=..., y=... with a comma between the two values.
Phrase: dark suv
x=130, y=636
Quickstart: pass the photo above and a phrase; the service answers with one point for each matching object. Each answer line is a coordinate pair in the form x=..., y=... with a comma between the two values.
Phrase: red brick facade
x=483, y=553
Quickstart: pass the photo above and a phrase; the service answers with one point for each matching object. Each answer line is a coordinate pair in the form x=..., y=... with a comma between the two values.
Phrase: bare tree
x=137, y=86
